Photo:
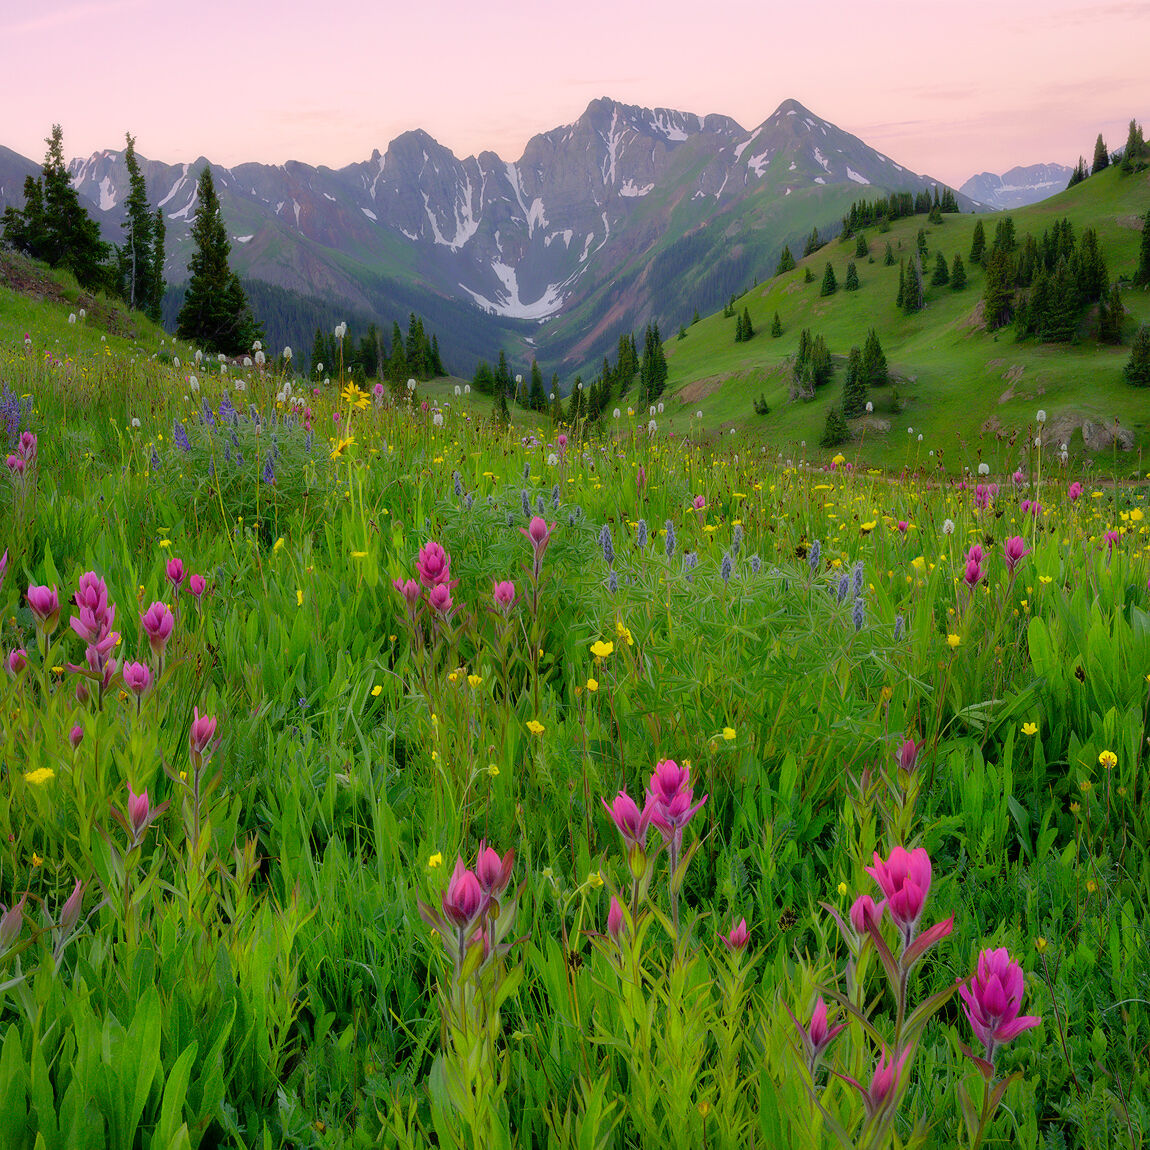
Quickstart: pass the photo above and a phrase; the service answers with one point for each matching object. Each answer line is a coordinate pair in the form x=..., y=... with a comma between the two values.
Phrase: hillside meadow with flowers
x=373, y=775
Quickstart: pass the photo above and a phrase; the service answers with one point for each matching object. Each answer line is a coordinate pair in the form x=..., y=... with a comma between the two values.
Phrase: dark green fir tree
x=1101, y=156
x=941, y=274
x=957, y=273
x=978, y=244
x=1137, y=369
x=776, y=327
x=829, y=285
x=851, y=283
x=215, y=315
x=786, y=261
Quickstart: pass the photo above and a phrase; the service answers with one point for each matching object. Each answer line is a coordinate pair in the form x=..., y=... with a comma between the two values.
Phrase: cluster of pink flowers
x=24, y=457
x=984, y=495
x=469, y=903
x=974, y=572
x=433, y=566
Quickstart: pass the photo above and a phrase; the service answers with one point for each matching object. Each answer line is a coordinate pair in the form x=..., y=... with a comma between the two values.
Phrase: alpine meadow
x=645, y=645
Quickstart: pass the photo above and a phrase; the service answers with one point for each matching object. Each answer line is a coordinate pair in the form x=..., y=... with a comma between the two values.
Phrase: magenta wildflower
x=1016, y=550
x=464, y=900
x=17, y=660
x=818, y=1035
x=503, y=593
x=75, y=735
x=197, y=584
x=11, y=923
x=908, y=753
x=865, y=910
x=492, y=872
x=433, y=565
x=539, y=535
x=736, y=938
x=439, y=597
x=158, y=622
x=175, y=574
x=137, y=677
x=616, y=923
x=905, y=881
x=45, y=606
x=200, y=735
x=138, y=811
x=1074, y=491
x=992, y=999
x=630, y=822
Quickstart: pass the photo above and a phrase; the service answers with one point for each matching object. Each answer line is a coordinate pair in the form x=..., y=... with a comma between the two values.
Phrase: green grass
x=959, y=386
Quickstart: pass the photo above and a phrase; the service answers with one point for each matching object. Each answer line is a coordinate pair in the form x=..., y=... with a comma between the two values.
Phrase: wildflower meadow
x=375, y=775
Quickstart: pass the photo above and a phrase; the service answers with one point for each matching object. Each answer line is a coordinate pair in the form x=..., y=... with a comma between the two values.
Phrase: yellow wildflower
x=953, y=640
x=473, y=681
x=601, y=649
x=36, y=860
x=375, y=691
x=592, y=685
x=39, y=776
x=298, y=597
x=1030, y=728
x=728, y=733
x=535, y=726
x=1108, y=759
x=1040, y=944
x=436, y=860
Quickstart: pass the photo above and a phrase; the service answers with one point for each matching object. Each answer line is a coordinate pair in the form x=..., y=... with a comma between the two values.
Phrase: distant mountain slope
x=625, y=215
x=1019, y=186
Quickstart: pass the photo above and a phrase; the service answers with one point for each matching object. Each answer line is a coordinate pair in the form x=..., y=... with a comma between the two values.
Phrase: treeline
x=54, y=227
x=881, y=212
x=372, y=357
x=1044, y=285
x=588, y=403
x=1134, y=157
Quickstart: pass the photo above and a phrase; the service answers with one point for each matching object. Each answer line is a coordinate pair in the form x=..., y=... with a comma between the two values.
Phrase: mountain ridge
x=565, y=239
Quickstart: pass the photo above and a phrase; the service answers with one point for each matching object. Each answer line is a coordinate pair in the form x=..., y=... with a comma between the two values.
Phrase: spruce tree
x=215, y=312
x=396, y=370
x=888, y=256
x=920, y=241
x=738, y=329
x=873, y=367
x=1134, y=152
x=957, y=273
x=852, y=280
x=1142, y=271
x=813, y=243
x=155, y=304
x=1079, y=174
x=1137, y=369
x=136, y=257
x=318, y=351
x=536, y=396
x=1101, y=156
x=786, y=262
x=54, y=227
x=914, y=291
x=808, y=275
x=860, y=247
x=901, y=284
x=829, y=285
x=978, y=244
x=748, y=330
x=998, y=292
x=437, y=368
x=854, y=386
x=941, y=276
x=835, y=430
x=776, y=327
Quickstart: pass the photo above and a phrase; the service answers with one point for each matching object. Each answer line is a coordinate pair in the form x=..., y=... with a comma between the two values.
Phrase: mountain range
x=626, y=215
x=1018, y=187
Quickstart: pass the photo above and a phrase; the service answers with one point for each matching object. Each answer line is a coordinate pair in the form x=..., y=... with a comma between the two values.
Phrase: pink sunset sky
x=945, y=89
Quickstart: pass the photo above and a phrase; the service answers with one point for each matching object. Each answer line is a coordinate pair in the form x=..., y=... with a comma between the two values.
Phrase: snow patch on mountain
x=183, y=179
x=820, y=159
x=509, y=304
x=853, y=175
x=107, y=194
x=666, y=126
x=243, y=239
x=741, y=148
x=370, y=214
x=630, y=188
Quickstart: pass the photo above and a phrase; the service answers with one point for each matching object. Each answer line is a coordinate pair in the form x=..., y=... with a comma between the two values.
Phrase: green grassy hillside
x=957, y=385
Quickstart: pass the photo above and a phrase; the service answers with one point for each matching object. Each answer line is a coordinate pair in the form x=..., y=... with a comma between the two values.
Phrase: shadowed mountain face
x=626, y=215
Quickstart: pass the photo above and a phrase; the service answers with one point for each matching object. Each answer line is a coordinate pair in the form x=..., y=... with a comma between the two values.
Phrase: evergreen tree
x=499, y=411
x=776, y=327
x=854, y=386
x=957, y=273
x=914, y=291
x=813, y=243
x=1142, y=271
x=829, y=285
x=54, y=227
x=941, y=276
x=978, y=244
x=852, y=280
x=738, y=329
x=1004, y=237
x=860, y=247
x=998, y=292
x=536, y=396
x=822, y=366
x=748, y=330
x=156, y=288
x=901, y=285
x=786, y=261
x=873, y=367
x=808, y=275
x=1133, y=155
x=1101, y=156
x=920, y=241
x=484, y=379
x=437, y=368
x=397, y=371
x=695, y=317
x=653, y=369
x=835, y=430
x=215, y=312
x=135, y=258
x=888, y=256
x=1137, y=369
x=318, y=351
x=1079, y=174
